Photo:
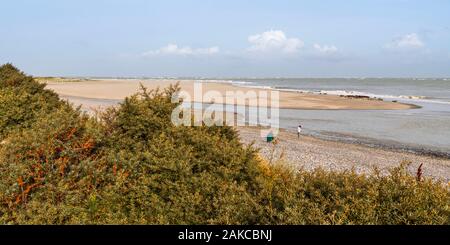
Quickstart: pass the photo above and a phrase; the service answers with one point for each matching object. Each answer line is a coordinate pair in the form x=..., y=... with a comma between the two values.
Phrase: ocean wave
x=242, y=83
x=215, y=81
x=404, y=98
x=371, y=95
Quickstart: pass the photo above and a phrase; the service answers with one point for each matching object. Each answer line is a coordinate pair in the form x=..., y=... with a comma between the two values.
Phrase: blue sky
x=233, y=38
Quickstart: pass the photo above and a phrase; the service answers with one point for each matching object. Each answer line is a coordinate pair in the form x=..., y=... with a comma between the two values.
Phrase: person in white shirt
x=299, y=130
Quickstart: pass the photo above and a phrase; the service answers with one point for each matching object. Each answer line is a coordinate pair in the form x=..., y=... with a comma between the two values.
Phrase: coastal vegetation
x=131, y=165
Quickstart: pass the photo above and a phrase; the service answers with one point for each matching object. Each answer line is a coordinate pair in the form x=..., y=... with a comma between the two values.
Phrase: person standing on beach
x=299, y=130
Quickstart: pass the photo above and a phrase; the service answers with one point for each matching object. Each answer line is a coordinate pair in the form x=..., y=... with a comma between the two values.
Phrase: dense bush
x=131, y=165
x=22, y=100
x=323, y=197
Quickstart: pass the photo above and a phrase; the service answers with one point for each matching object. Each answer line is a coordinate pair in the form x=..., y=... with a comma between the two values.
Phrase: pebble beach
x=311, y=153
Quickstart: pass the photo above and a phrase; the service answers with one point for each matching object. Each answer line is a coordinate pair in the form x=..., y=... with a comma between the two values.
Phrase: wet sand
x=119, y=89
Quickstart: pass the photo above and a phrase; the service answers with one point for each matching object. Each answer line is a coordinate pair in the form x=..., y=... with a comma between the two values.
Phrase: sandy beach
x=119, y=89
x=310, y=153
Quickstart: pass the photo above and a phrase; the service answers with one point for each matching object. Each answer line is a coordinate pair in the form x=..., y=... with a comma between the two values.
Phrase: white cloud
x=408, y=41
x=326, y=49
x=274, y=41
x=173, y=49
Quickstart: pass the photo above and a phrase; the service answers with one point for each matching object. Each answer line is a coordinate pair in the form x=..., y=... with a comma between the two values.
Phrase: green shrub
x=10, y=76
x=174, y=174
x=51, y=167
x=324, y=197
x=22, y=100
x=131, y=165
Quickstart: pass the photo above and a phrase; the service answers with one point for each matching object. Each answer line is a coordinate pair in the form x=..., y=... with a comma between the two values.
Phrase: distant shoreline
x=119, y=89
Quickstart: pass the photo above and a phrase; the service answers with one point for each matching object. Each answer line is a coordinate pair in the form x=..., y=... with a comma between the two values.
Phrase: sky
x=227, y=38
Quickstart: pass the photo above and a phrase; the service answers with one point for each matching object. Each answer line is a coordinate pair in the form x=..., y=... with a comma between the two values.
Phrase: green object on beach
x=270, y=137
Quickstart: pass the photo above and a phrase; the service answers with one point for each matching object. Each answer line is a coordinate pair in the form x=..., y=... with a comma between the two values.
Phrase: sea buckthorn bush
x=22, y=100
